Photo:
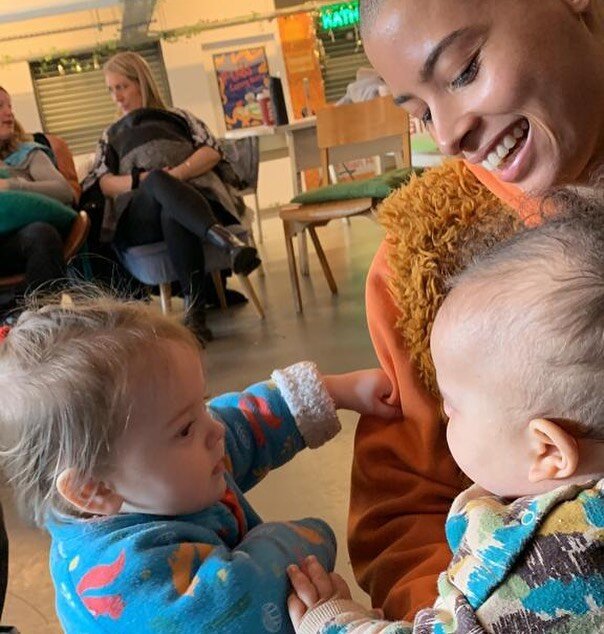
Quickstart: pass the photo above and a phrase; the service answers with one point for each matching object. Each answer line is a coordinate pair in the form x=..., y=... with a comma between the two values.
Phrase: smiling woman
x=478, y=71
x=516, y=89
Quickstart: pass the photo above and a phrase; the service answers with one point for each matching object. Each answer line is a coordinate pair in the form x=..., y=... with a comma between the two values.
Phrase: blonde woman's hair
x=64, y=397
x=136, y=69
x=18, y=136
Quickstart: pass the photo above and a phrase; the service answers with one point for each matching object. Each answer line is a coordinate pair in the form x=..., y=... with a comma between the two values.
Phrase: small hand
x=312, y=586
x=364, y=391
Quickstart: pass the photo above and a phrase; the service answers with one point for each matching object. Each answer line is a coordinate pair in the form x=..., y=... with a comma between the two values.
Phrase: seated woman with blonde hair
x=168, y=180
x=35, y=248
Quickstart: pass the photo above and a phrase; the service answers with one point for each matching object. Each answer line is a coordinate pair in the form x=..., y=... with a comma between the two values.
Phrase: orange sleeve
x=511, y=195
x=403, y=477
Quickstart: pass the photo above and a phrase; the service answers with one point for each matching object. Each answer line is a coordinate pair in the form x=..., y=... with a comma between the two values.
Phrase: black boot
x=195, y=321
x=244, y=259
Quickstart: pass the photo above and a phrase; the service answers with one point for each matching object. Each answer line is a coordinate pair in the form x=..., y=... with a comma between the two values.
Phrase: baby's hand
x=312, y=586
x=364, y=391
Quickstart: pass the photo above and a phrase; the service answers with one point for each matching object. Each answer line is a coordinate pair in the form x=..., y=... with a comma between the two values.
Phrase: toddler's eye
x=186, y=431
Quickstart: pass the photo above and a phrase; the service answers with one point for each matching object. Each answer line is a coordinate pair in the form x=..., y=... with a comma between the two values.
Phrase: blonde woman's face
x=7, y=119
x=514, y=84
x=126, y=94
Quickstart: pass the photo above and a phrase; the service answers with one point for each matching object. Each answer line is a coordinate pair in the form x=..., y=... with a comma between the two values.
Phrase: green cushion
x=20, y=208
x=423, y=143
x=377, y=187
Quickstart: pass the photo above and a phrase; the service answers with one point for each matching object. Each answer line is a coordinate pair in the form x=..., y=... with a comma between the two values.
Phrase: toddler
x=109, y=444
x=518, y=347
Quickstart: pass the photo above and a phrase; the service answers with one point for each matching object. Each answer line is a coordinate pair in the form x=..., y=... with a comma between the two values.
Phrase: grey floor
x=332, y=332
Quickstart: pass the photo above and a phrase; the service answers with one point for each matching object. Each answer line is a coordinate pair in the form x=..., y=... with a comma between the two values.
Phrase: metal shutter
x=341, y=57
x=76, y=105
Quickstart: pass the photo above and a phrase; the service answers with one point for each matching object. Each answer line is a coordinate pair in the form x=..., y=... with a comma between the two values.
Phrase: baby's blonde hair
x=64, y=395
x=536, y=302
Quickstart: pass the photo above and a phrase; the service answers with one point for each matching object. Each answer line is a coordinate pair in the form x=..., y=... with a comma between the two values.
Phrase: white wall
x=190, y=72
x=16, y=78
x=189, y=63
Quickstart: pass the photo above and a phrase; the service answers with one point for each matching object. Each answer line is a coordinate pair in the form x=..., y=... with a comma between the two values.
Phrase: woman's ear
x=554, y=452
x=88, y=494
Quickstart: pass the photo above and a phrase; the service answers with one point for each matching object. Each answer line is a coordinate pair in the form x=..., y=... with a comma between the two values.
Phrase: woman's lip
x=515, y=170
x=483, y=153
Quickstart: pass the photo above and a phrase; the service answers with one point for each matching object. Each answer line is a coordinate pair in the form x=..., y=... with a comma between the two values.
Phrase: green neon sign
x=339, y=16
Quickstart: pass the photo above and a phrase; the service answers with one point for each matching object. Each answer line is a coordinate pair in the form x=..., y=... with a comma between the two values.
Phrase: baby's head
x=102, y=411
x=518, y=347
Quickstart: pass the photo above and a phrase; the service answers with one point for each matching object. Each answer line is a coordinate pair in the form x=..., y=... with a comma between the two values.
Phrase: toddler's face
x=170, y=458
x=489, y=445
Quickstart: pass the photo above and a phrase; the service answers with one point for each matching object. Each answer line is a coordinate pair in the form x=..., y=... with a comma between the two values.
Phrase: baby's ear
x=88, y=494
x=554, y=451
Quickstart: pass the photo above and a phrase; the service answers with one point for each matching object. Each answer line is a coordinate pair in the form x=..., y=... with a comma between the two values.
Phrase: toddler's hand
x=364, y=391
x=312, y=585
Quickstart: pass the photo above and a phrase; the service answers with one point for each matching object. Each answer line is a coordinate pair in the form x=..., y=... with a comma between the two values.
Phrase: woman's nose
x=453, y=133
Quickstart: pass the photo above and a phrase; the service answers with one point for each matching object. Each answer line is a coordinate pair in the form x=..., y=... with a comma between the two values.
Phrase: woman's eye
x=468, y=75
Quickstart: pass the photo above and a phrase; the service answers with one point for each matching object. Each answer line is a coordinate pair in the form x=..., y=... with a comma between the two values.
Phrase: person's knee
x=41, y=235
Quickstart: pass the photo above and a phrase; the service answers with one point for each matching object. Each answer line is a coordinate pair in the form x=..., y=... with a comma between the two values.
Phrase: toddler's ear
x=88, y=495
x=554, y=452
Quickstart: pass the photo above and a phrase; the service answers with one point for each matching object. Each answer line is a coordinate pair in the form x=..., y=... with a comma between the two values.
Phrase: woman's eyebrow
x=430, y=64
x=427, y=70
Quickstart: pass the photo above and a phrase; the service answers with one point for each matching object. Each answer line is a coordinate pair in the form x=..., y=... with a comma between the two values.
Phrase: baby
x=109, y=444
x=518, y=347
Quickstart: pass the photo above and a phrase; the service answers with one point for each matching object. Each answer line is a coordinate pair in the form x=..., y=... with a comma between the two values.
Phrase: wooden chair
x=344, y=133
x=73, y=243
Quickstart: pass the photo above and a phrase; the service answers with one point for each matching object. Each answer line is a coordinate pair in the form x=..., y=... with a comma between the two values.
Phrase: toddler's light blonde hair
x=64, y=395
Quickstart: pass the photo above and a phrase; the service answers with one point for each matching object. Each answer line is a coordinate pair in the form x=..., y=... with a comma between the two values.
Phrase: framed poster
x=241, y=76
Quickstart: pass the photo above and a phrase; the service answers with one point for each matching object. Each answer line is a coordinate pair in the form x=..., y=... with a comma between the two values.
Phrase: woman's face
x=515, y=84
x=7, y=119
x=124, y=92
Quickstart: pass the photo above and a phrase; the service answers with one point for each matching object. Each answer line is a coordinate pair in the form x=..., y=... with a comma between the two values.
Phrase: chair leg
x=303, y=253
x=219, y=289
x=291, y=261
x=165, y=298
x=258, y=219
x=323, y=260
x=252, y=241
x=249, y=289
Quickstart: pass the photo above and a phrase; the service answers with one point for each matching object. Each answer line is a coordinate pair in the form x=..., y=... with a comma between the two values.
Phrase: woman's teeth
x=506, y=147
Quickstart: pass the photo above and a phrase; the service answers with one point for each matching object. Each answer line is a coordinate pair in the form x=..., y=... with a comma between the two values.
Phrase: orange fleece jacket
x=403, y=476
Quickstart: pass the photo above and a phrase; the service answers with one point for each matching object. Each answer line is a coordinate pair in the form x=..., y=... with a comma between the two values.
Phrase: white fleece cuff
x=316, y=618
x=309, y=401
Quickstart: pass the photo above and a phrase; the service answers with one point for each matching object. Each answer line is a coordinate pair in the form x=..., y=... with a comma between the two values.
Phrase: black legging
x=36, y=249
x=164, y=208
